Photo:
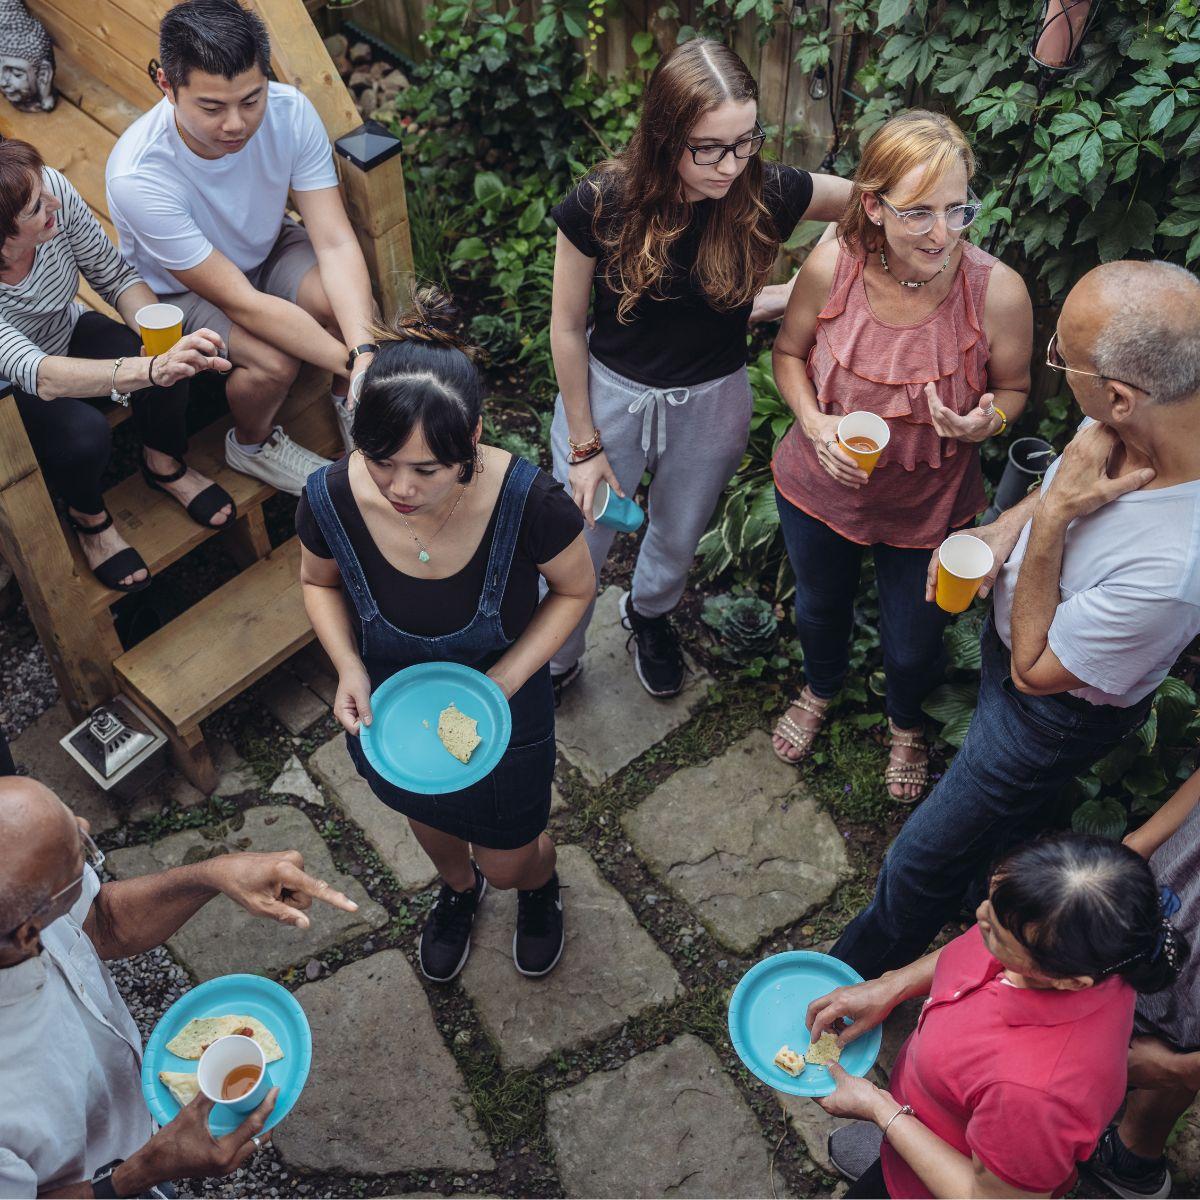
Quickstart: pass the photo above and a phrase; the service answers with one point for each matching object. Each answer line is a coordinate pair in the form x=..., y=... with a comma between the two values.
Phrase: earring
x=479, y=468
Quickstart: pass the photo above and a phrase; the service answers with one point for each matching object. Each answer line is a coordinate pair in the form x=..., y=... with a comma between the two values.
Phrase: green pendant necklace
x=423, y=552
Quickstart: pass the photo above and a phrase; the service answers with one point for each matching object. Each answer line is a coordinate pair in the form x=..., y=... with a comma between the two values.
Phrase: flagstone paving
x=668, y=1123
x=223, y=938
x=384, y=1094
x=611, y=970
x=739, y=840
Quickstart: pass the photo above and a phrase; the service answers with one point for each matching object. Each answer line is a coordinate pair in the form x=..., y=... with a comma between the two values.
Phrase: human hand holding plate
x=865, y=1004
x=854, y=1097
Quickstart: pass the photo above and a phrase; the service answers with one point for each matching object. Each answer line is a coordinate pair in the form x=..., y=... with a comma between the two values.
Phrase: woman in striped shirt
x=55, y=352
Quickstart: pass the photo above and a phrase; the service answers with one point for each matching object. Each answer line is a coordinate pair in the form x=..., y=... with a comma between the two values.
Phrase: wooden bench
x=229, y=639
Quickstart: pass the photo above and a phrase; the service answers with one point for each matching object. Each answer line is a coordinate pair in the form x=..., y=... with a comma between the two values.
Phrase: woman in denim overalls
x=426, y=546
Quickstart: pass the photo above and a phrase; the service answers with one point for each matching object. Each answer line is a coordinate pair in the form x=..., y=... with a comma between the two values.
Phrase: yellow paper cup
x=963, y=561
x=863, y=425
x=161, y=326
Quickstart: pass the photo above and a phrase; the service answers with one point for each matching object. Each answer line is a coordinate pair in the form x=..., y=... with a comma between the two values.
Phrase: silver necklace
x=423, y=554
x=913, y=283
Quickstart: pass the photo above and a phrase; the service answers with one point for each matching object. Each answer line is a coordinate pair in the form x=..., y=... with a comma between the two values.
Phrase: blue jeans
x=1001, y=788
x=827, y=566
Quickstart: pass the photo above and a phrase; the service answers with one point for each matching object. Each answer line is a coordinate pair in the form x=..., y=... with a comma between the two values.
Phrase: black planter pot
x=1028, y=458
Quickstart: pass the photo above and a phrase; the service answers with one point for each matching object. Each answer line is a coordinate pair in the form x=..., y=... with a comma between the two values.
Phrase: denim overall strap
x=330, y=524
x=504, y=540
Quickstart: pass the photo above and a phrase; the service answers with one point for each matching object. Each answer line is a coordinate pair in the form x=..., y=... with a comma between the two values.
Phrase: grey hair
x=19, y=902
x=1152, y=336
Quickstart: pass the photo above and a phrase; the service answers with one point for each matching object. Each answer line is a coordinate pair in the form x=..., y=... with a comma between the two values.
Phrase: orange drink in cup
x=864, y=437
x=963, y=561
x=161, y=326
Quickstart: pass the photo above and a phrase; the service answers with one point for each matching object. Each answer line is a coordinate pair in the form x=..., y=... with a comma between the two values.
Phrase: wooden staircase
x=236, y=634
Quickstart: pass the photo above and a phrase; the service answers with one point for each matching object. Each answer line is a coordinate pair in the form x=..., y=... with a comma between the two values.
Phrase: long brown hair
x=738, y=246
x=20, y=165
x=910, y=139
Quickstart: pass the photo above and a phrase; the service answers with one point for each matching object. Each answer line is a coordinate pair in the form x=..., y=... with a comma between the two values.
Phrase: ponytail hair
x=423, y=377
x=1084, y=905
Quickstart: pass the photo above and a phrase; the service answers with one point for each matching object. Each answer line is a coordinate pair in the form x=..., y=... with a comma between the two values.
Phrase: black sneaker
x=563, y=680
x=1125, y=1173
x=540, y=936
x=656, y=656
x=446, y=938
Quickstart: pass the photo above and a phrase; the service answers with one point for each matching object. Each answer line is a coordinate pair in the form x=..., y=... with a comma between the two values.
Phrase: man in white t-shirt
x=73, y=1121
x=1098, y=595
x=197, y=189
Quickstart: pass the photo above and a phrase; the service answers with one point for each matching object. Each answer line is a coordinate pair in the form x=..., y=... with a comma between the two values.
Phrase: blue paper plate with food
x=766, y=1023
x=234, y=1004
x=436, y=728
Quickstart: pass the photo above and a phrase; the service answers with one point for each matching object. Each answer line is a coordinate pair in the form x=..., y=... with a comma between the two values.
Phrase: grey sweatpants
x=691, y=440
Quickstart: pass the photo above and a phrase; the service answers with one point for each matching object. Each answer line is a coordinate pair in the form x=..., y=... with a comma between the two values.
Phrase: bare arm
x=830, y=196
x=1008, y=323
x=1148, y=837
x=572, y=583
x=343, y=269
x=771, y=302
x=278, y=322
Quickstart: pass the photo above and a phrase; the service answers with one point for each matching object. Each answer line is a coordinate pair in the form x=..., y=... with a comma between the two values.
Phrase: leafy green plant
x=745, y=625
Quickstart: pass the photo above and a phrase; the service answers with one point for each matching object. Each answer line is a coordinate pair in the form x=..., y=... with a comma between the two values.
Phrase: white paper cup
x=223, y=1056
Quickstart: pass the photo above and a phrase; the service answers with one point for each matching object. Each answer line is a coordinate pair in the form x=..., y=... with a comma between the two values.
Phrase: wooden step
x=221, y=645
x=157, y=526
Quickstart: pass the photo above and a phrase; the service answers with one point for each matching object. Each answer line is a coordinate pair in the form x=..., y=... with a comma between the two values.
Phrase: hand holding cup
x=196, y=352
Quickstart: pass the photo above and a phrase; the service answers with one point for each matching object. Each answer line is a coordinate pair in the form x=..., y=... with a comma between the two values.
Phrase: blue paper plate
x=767, y=1011
x=402, y=744
x=232, y=995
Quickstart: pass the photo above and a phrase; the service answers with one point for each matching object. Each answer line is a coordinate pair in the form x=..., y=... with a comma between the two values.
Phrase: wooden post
x=33, y=544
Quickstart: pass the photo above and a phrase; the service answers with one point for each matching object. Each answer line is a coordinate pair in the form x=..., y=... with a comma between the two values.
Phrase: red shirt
x=1024, y=1078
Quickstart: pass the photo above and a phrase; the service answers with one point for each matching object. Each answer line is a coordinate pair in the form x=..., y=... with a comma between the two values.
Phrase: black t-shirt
x=676, y=339
x=435, y=607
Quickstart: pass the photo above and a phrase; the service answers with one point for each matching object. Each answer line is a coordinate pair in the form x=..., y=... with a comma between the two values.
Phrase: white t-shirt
x=70, y=1063
x=1130, y=587
x=171, y=207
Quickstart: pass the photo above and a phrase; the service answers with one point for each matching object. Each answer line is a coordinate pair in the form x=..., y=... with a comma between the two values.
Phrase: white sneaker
x=345, y=419
x=281, y=462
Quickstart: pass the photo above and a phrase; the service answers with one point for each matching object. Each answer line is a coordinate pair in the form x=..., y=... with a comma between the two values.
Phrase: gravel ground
x=27, y=687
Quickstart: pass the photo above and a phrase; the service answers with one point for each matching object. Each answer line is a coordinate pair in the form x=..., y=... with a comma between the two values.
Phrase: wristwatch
x=102, y=1182
x=365, y=348
x=115, y=396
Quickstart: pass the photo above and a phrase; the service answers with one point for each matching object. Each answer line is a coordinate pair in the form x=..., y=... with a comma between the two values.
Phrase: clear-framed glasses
x=748, y=147
x=921, y=220
x=93, y=857
x=1054, y=360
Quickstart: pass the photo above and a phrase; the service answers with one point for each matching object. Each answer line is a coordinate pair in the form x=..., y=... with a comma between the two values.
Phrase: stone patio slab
x=384, y=1093
x=667, y=1123
x=294, y=780
x=292, y=704
x=387, y=830
x=610, y=970
x=222, y=938
x=607, y=719
x=738, y=840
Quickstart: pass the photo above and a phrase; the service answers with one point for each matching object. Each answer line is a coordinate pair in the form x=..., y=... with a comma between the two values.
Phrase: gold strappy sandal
x=797, y=736
x=908, y=773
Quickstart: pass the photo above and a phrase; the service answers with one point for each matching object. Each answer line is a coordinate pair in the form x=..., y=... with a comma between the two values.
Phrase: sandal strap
x=907, y=773
x=910, y=739
x=206, y=504
x=816, y=710
x=799, y=737
x=171, y=476
x=125, y=562
x=87, y=530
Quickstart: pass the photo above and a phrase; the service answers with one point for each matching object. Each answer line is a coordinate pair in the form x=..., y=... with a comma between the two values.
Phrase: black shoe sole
x=562, y=945
x=462, y=962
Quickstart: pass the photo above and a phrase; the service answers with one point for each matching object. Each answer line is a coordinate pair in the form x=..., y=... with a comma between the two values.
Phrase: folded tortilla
x=182, y=1085
x=197, y=1035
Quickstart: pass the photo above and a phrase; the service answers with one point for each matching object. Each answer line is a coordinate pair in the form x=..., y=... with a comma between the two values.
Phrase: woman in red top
x=1018, y=1061
x=902, y=317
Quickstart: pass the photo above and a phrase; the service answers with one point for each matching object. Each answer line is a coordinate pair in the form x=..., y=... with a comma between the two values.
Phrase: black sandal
x=204, y=506
x=112, y=570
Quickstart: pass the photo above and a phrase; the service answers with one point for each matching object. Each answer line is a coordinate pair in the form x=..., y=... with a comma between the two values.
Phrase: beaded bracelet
x=1003, y=421
x=593, y=443
x=575, y=459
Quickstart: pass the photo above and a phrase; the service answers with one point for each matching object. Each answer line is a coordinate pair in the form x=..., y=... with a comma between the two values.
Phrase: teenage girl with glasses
x=903, y=317
x=670, y=242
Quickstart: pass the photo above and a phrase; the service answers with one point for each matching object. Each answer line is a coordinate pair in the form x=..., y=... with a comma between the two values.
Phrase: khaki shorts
x=279, y=274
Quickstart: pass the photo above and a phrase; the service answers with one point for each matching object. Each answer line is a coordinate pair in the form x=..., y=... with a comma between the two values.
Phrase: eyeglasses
x=93, y=857
x=709, y=156
x=1054, y=360
x=922, y=220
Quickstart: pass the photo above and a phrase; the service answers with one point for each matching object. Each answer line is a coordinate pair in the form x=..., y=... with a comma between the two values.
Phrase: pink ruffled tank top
x=924, y=485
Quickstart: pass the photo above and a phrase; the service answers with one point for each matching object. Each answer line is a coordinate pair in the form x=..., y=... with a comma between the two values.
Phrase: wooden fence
x=804, y=127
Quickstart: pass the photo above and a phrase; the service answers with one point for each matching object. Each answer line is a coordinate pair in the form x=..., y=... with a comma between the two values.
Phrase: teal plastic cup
x=609, y=509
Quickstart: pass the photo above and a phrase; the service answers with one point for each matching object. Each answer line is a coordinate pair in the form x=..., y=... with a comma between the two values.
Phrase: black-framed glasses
x=1054, y=360
x=93, y=857
x=921, y=220
x=747, y=147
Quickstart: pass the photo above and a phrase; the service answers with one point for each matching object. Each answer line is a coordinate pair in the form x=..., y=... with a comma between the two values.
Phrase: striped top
x=38, y=315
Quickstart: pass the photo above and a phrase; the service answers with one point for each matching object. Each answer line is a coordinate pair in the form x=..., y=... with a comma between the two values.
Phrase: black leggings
x=71, y=437
x=869, y=1185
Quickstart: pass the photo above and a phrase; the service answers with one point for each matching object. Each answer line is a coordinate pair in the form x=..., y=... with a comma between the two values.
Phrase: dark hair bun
x=431, y=317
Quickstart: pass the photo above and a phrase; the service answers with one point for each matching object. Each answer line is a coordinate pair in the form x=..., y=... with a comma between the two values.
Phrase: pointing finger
x=299, y=881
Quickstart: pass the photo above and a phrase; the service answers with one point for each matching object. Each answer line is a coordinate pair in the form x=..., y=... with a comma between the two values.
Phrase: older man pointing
x=73, y=1121
x=1098, y=595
